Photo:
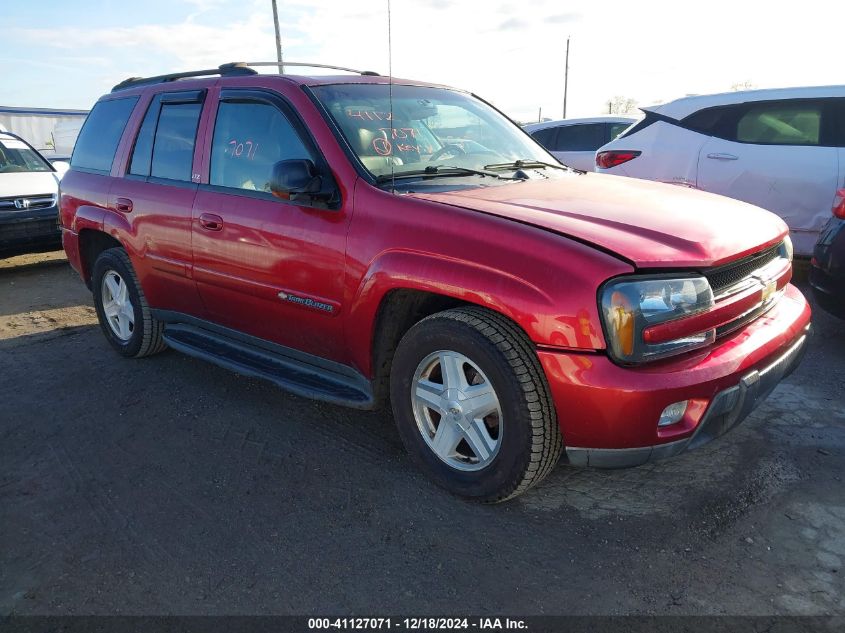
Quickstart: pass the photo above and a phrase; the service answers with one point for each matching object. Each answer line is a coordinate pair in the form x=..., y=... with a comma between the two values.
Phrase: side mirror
x=291, y=178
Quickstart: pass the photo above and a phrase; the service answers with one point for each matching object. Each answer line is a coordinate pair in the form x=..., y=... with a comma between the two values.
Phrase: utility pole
x=278, y=39
x=565, y=78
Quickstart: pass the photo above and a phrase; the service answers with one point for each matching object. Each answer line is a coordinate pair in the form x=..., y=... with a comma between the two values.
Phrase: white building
x=52, y=132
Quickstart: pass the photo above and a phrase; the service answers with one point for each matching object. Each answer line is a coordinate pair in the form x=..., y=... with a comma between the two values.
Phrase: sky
x=64, y=54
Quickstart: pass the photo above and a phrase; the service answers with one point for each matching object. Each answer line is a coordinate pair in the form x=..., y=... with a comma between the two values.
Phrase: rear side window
x=164, y=147
x=173, y=148
x=712, y=121
x=781, y=124
x=249, y=138
x=579, y=138
x=97, y=143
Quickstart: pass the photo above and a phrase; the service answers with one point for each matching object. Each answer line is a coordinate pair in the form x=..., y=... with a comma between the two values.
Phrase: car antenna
x=390, y=100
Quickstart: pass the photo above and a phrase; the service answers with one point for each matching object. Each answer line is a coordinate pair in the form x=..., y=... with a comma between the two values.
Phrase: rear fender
x=91, y=218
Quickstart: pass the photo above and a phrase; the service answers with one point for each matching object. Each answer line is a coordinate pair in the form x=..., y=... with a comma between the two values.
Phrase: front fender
x=540, y=315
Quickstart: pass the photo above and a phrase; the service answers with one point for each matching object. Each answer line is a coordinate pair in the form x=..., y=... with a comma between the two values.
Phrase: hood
x=27, y=183
x=649, y=224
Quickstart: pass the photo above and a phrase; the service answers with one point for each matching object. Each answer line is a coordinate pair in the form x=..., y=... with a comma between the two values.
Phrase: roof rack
x=227, y=70
x=224, y=70
x=307, y=65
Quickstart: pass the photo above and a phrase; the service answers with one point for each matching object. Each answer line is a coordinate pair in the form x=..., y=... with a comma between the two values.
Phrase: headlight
x=786, y=249
x=629, y=305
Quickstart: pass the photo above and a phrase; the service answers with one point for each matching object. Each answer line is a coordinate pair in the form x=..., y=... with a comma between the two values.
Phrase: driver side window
x=249, y=138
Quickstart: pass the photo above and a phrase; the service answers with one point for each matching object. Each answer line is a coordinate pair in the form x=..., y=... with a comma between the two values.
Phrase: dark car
x=827, y=268
x=29, y=188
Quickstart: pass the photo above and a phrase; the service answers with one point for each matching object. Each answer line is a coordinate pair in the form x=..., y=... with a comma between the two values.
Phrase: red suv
x=361, y=241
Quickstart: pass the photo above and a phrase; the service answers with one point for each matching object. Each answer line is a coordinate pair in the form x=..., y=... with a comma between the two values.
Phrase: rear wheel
x=472, y=404
x=122, y=309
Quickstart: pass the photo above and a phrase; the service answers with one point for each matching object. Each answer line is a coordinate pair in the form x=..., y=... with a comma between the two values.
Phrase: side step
x=291, y=371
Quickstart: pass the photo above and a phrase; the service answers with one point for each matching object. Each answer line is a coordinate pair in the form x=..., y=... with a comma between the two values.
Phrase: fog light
x=673, y=413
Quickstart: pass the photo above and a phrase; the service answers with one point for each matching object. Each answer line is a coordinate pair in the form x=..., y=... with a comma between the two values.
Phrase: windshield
x=17, y=156
x=430, y=128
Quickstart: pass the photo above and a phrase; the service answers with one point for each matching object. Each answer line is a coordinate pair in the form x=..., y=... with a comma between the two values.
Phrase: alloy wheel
x=457, y=410
x=117, y=307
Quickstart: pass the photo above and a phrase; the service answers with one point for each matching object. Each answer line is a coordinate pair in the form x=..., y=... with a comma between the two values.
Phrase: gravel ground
x=170, y=486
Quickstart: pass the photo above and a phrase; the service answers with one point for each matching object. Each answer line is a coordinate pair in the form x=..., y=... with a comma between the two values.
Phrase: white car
x=781, y=149
x=574, y=141
x=29, y=191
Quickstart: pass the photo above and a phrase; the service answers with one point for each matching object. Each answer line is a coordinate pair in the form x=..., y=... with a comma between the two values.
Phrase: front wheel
x=472, y=404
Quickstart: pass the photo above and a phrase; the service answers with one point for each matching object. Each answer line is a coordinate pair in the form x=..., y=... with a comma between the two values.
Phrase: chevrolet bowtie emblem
x=769, y=288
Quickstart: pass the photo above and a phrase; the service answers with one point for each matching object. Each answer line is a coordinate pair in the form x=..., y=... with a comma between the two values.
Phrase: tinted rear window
x=579, y=138
x=98, y=140
x=173, y=151
x=545, y=137
x=711, y=121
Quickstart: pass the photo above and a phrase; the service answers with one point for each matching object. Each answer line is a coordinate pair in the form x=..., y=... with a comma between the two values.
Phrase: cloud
x=185, y=45
x=562, y=18
x=437, y=4
x=512, y=24
x=485, y=48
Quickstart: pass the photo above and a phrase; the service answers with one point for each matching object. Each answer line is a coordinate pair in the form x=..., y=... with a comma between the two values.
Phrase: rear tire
x=122, y=308
x=493, y=446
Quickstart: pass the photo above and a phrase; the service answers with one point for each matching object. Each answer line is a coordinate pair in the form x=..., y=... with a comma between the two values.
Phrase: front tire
x=122, y=309
x=472, y=404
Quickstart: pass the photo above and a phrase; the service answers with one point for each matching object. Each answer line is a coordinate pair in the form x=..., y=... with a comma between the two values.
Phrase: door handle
x=719, y=156
x=211, y=222
x=124, y=205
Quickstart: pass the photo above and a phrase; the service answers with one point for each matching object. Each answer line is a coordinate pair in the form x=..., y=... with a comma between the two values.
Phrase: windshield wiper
x=527, y=163
x=439, y=171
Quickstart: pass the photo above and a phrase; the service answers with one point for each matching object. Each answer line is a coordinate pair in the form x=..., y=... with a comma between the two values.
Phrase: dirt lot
x=167, y=485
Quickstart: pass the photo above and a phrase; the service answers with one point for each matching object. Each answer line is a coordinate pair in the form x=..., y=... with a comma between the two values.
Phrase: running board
x=318, y=381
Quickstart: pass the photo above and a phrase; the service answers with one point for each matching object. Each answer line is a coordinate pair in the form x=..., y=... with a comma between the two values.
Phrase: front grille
x=725, y=277
x=25, y=203
x=744, y=319
x=746, y=274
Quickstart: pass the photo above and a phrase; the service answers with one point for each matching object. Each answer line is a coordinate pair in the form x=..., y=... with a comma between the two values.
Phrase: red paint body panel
x=241, y=269
x=70, y=243
x=603, y=405
x=475, y=258
x=82, y=210
x=536, y=252
x=650, y=224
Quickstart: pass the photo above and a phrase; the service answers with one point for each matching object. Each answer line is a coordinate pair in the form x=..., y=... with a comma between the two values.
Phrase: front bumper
x=727, y=409
x=608, y=413
x=21, y=231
